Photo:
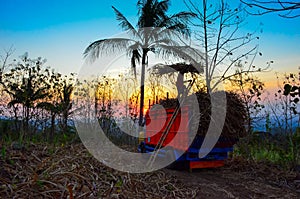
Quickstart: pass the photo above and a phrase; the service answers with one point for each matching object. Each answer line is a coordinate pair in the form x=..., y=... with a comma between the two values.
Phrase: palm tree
x=27, y=87
x=58, y=101
x=154, y=32
x=66, y=103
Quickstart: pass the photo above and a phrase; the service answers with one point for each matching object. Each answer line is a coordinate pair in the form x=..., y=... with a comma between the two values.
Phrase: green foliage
x=278, y=149
x=3, y=152
x=40, y=183
x=119, y=183
x=268, y=123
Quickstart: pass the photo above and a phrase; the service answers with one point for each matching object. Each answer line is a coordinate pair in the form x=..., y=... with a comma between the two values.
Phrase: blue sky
x=60, y=30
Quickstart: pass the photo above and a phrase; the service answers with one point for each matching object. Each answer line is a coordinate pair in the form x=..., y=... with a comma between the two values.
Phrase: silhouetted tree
x=150, y=35
x=26, y=84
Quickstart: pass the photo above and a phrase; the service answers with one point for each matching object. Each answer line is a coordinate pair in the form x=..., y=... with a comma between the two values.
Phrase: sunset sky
x=60, y=30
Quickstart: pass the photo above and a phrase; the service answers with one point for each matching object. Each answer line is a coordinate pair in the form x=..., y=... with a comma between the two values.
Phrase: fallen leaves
x=70, y=172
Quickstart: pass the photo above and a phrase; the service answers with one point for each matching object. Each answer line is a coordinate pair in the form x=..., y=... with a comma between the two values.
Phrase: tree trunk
x=208, y=79
x=142, y=88
x=51, y=136
x=26, y=123
x=65, y=120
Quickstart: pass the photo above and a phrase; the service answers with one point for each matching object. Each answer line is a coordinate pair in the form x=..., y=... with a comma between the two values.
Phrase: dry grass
x=43, y=172
x=71, y=172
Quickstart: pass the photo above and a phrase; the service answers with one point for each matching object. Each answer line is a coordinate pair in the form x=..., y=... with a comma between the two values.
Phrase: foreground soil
x=39, y=171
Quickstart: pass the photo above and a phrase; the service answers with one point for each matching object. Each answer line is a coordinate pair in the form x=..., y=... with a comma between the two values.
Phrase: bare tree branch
x=217, y=29
x=288, y=8
x=4, y=58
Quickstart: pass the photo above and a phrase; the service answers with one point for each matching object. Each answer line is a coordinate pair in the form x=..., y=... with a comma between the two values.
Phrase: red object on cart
x=156, y=125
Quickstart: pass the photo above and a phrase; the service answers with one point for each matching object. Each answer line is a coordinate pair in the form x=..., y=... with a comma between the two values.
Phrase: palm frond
x=139, y=5
x=151, y=12
x=40, y=93
x=180, y=28
x=160, y=9
x=163, y=34
x=14, y=102
x=162, y=6
x=105, y=47
x=124, y=23
x=67, y=92
x=186, y=53
x=135, y=58
x=164, y=41
x=184, y=16
x=178, y=22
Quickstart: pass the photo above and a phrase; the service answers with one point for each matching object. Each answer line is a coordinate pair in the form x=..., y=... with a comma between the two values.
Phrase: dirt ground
x=228, y=183
x=39, y=171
